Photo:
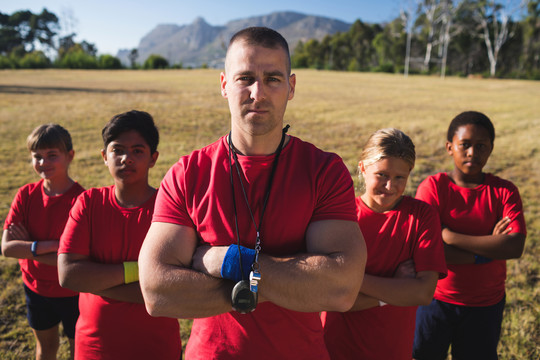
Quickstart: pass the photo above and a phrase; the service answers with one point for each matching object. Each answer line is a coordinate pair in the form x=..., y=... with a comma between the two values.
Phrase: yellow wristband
x=131, y=272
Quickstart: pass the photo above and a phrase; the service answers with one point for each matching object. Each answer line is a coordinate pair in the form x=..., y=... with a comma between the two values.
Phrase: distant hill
x=200, y=42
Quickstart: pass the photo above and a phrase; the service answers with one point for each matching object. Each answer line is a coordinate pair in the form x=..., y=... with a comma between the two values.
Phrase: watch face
x=243, y=299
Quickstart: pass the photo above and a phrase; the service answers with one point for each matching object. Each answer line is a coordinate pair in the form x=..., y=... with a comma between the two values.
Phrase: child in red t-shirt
x=100, y=246
x=483, y=225
x=32, y=232
x=405, y=257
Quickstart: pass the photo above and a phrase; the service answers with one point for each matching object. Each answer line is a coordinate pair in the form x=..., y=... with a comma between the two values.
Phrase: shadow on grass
x=33, y=90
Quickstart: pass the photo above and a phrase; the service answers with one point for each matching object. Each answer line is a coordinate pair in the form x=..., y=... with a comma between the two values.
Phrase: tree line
x=30, y=41
x=446, y=37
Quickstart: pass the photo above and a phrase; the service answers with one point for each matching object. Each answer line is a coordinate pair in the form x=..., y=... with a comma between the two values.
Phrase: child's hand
x=501, y=227
x=406, y=270
x=18, y=232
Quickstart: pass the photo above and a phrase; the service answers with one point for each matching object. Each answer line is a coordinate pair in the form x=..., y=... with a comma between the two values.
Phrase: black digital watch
x=242, y=298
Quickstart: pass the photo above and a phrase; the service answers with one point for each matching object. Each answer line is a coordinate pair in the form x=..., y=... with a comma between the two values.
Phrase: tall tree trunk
x=430, y=9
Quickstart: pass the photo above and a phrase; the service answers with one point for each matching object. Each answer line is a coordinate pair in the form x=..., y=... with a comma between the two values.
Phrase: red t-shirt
x=410, y=231
x=309, y=185
x=473, y=212
x=110, y=329
x=44, y=217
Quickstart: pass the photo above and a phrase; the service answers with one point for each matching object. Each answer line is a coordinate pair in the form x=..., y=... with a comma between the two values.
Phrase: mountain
x=200, y=42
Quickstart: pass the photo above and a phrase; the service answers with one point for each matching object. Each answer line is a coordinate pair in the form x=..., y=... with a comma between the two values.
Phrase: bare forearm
x=21, y=249
x=48, y=259
x=453, y=255
x=128, y=293
x=90, y=277
x=501, y=246
x=311, y=283
x=169, y=285
x=364, y=302
x=177, y=292
x=400, y=291
x=326, y=278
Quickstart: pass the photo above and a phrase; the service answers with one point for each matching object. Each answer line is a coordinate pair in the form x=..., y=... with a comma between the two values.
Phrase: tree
x=531, y=41
x=429, y=7
x=77, y=58
x=109, y=62
x=363, y=54
x=317, y=52
x=299, y=58
x=35, y=60
x=446, y=20
x=133, y=55
x=65, y=43
x=390, y=46
x=340, y=52
x=155, y=61
x=44, y=28
x=449, y=11
x=73, y=55
x=494, y=21
x=23, y=28
x=408, y=16
x=9, y=35
x=5, y=62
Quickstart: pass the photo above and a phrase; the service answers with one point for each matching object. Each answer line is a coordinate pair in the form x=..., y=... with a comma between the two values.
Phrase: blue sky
x=120, y=24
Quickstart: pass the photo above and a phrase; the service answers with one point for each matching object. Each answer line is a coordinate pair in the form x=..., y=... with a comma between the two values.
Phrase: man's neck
x=245, y=144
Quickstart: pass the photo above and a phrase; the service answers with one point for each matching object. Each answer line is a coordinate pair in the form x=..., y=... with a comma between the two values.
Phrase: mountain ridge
x=201, y=43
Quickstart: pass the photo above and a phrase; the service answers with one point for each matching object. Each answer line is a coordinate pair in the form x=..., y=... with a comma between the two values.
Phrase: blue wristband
x=479, y=259
x=230, y=269
x=33, y=249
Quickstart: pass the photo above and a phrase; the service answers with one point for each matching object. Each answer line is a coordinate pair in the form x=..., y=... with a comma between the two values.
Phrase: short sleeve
x=427, y=192
x=16, y=211
x=170, y=201
x=76, y=235
x=429, y=251
x=513, y=208
x=336, y=193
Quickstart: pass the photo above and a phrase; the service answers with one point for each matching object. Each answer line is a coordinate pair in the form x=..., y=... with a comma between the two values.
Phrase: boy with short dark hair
x=483, y=226
x=100, y=246
x=32, y=232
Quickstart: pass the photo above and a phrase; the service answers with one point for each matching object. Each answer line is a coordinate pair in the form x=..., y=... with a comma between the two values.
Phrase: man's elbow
x=354, y=277
x=345, y=296
x=344, y=302
x=153, y=306
x=152, y=300
x=157, y=304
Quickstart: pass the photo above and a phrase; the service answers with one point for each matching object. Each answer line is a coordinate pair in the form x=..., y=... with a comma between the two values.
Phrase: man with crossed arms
x=254, y=189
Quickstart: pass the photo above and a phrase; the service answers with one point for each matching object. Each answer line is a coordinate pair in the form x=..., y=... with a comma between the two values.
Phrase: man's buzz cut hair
x=265, y=37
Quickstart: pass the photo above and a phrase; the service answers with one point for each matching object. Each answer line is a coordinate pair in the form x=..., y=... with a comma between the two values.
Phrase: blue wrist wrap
x=479, y=259
x=230, y=269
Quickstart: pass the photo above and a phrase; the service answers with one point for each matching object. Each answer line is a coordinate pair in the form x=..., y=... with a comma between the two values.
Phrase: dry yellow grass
x=336, y=111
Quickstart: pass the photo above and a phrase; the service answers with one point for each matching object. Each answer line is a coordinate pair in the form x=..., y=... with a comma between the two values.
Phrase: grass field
x=335, y=111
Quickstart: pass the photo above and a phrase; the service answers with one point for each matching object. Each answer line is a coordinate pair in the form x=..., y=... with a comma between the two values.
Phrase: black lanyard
x=266, y=196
